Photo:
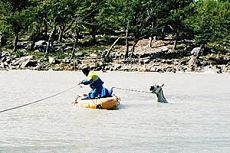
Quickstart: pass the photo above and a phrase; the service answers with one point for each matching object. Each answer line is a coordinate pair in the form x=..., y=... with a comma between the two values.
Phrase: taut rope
x=36, y=101
x=133, y=90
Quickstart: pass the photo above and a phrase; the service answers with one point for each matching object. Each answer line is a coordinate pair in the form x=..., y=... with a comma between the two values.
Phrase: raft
x=98, y=103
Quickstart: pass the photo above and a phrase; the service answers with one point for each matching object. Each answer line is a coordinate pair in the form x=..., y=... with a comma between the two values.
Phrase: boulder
x=68, y=48
x=22, y=44
x=29, y=63
x=93, y=55
x=164, y=49
x=188, y=48
x=79, y=54
x=116, y=67
x=66, y=60
x=22, y=50
x=40, y=45
x=193, y=63
x=146, y=61
x=52, y=60
x=21, y=60
x=196, y=51
x=4, y=54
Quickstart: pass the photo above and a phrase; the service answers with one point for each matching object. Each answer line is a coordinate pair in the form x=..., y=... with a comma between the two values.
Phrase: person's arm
x=86, y=82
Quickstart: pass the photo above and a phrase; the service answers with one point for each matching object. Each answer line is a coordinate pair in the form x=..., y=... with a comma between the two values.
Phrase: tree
x=56, y=14
x=88, y=15
x=179, y=10
x=16, y=16
x=210, y=21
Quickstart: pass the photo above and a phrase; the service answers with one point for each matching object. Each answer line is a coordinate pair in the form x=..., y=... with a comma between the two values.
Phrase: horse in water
x=156, y=89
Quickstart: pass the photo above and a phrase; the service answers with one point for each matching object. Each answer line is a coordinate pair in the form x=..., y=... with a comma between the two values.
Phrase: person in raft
x=95, y=82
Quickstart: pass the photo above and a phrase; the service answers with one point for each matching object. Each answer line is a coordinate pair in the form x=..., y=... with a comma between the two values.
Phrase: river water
x=196, y=119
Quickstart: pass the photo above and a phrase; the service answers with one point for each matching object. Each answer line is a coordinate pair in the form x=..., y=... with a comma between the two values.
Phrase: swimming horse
x=157, y=89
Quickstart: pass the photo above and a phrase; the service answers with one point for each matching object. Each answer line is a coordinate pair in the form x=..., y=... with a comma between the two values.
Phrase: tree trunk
x=76, y=42
x=133, y=47
x=175, y=42
x=126, y=40
x=46, y=27
x=74, y=48
x=15, y=41
x=151, y=36
x=115, y=42
x=163, y=33
x=35, y=37
x=50, y=41
x=93, y=34
x=150, y=41
x=62, y=29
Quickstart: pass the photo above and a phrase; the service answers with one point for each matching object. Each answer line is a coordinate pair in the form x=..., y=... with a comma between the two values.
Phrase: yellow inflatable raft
x=99, y=103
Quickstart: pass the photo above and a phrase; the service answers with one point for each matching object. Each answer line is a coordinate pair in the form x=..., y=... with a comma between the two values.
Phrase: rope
x=133, y=90
x=36, y=101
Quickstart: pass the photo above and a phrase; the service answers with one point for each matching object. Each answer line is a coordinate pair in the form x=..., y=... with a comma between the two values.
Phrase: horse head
x=157, y=89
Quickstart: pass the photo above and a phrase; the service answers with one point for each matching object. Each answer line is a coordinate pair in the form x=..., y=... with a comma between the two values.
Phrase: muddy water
x=195, y=120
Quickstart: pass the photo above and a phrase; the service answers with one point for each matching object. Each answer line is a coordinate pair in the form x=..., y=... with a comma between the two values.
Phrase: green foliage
x=107, y=59
x=19, y=53
x=206, y=21
x=210, y=21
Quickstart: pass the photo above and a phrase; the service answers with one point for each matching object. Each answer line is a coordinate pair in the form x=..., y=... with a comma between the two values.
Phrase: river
x=196, y=119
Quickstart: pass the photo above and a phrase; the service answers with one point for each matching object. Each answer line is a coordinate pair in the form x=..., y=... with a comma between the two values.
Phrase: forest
x=82, y=25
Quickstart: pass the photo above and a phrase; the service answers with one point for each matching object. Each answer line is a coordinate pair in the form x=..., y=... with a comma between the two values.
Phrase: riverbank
x=160, y=58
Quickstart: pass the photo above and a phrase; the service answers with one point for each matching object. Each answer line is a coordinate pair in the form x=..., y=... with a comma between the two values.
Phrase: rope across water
x=132, y=90
x=54, y=95
x=36, y=101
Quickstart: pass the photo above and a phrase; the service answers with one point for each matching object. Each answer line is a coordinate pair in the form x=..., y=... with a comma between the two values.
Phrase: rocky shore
x=144, y=59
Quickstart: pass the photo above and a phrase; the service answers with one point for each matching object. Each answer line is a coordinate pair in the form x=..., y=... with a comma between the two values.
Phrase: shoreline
x=144, y=59
x=209, y=71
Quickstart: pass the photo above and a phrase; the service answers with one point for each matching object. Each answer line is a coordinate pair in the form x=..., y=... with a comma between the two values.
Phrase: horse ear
x=162, y=85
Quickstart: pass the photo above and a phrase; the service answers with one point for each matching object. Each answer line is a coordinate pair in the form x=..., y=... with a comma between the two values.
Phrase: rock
x=93, y=55
x=22, y=50
x=193, y=63
x=153, y=69
x=4, y=66
x=61, y=48
x=66, y=60
x=52, y=60
x=204, y=63
x=212, y=50
x=21, y=60
x=196, y=51
x=164, y=49
x=107, y=68
x=126, y=68
x=159, y=69
x=79, y=54
x=146, y=61
x=8, y=59
x=40, y=45
x=218, y=69
x=188, y=48
x=29, y=63
x=22, y=45
x=116, y=67
x=4, y=54
x=68, y=48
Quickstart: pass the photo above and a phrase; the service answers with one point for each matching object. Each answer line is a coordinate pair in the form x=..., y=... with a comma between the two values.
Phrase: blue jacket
x=93, y=80
x=98, y=91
